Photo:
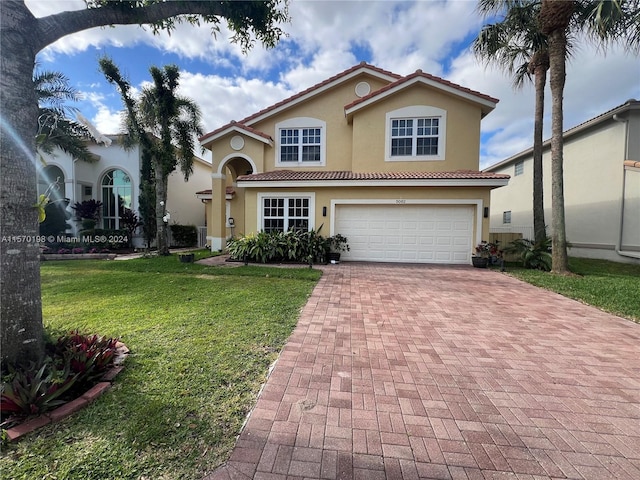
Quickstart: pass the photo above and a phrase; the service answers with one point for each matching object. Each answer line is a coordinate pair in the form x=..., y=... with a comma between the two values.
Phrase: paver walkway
x=426, y=372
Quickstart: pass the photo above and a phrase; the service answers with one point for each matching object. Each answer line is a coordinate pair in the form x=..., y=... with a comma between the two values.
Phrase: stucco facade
x=366, y=138
x=79, y=181
x=601, y=187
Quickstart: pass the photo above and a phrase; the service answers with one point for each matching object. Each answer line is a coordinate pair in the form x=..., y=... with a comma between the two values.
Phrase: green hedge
x=184, y=235
x=292, y=246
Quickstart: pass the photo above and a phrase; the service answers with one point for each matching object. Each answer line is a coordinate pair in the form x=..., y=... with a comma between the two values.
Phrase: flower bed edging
x=69, y=408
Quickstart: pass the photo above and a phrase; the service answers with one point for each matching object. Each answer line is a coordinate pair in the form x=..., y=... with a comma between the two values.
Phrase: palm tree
x=55, y=127
x=517, y=45
x=165, y=125
x=603, y=21
x=22, y=36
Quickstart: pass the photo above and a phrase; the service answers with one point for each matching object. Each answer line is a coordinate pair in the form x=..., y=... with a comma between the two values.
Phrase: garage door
x=407, y=233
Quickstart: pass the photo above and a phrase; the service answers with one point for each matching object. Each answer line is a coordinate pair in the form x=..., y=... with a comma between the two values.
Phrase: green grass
x=610, y=286
x=201, y=340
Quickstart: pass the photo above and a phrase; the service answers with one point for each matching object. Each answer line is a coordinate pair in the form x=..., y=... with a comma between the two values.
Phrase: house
x=601, y=187
x=389, y=161
x=114, y=176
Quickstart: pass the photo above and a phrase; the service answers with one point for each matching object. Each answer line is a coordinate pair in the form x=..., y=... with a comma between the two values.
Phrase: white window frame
x=518, y=168
x=416, y=112
x=300, y=123
x=308, y=195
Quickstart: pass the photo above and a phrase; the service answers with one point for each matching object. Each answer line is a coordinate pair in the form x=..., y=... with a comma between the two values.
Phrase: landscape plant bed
x=202, y=340
x=18, y=426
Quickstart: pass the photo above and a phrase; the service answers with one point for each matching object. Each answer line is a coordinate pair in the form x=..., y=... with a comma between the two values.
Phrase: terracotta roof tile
x=420, y=73
x=240, y=125
x=317, y=86
x=291, y=175
x=204, y=192
x=631, y=163
x=228, y=191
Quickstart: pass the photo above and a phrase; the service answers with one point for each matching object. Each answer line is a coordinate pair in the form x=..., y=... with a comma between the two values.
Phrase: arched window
x=51, y=181
x=117, y=194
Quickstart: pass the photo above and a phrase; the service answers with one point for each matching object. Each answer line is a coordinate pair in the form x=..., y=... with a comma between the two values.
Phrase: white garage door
x=407, y=233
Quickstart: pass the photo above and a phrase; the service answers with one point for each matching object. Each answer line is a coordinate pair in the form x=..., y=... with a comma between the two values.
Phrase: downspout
x=619, y=250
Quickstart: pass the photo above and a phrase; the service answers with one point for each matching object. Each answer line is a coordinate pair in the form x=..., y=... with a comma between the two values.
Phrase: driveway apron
x=430, y=372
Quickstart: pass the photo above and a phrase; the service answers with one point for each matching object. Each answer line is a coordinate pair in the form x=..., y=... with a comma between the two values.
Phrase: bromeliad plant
x=73, y=363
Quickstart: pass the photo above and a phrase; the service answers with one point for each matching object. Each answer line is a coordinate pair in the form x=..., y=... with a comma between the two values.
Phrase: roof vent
x=363, y=89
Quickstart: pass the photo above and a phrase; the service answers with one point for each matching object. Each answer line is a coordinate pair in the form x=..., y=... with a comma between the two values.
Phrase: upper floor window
x=518, y=168
x=301, y=141
x=415, y=133
x=506, y=216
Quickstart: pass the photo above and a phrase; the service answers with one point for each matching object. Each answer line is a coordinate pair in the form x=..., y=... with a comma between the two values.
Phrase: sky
x=325, y=37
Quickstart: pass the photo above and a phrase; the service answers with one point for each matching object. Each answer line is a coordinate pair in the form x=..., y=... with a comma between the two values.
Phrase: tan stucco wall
x=462, y=133
x=593, y=173
x=328, y=107
x=324, y=196
x=184, y=207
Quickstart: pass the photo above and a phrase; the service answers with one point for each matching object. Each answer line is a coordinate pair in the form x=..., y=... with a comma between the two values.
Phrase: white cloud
x=326, y=37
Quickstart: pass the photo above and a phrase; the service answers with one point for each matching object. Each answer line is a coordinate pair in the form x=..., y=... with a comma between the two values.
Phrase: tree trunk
x=557, y=56
x=540, y=78
x=20, y=303
x=162, y=236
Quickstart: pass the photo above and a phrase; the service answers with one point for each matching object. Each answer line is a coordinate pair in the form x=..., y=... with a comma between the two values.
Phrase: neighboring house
x=114, y=176
x=601, y=187
x=390, y=162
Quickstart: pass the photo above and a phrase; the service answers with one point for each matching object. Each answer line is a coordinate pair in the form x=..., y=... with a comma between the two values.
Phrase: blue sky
x=324, y=38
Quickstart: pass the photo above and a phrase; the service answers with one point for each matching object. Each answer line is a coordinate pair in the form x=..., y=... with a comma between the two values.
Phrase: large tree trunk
x=20, y=304
x=540, y=76
x=554, y=19
x=162, y=236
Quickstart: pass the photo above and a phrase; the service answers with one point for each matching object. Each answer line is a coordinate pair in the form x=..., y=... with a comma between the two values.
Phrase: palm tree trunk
x=162, y=235
x=20, y=304
x=540, y=76
x=557, y=57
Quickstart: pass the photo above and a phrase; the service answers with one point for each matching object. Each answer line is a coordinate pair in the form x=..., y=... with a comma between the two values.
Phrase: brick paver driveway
x=408, y=372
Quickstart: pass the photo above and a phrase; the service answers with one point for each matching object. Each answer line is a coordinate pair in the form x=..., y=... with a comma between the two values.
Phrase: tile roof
x=291, y=175
x=631, y=163
x=239, y=125
x=320, y=85
x=420, y=74
x=228, y=191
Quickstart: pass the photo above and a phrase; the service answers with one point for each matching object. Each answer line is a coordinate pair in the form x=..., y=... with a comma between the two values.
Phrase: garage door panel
x=407, y=233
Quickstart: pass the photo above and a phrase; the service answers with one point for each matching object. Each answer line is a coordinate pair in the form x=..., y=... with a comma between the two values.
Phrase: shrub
x=533, y=255
x=72, y=364
x=184, y=235
x=295, y=246
x=89, y=209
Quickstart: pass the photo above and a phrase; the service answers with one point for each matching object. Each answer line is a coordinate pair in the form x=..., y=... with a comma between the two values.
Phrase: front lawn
x=201, y=340
x=610, y=286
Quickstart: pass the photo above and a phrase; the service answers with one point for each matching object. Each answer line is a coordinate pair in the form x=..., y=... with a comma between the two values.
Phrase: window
x=282, y=214
x=518, y=168
x=300, y=142
x=415, y=133
x=414, y=137
x=300, y=145
x=506, y=216
x=116, y=196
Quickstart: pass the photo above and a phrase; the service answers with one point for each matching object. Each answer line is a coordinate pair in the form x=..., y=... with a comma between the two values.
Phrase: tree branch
x=54, y=27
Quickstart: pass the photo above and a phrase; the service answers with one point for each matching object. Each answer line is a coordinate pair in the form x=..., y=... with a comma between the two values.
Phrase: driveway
x=429, y=372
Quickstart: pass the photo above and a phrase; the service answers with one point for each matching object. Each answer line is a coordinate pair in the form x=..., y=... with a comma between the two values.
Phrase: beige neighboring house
x=114, y=176
x=601, y=187
x=389, y=161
